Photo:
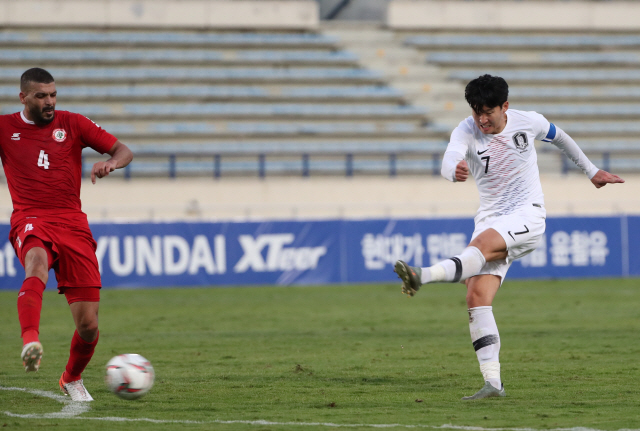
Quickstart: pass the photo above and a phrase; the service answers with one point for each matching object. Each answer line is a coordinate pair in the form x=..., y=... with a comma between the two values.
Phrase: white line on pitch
x=73, y=409
x=334, y=425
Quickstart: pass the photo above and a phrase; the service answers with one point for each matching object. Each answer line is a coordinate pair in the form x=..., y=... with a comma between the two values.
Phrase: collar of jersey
x=25, y=118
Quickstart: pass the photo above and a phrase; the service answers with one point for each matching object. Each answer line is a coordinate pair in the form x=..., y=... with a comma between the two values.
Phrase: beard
x=39, y=116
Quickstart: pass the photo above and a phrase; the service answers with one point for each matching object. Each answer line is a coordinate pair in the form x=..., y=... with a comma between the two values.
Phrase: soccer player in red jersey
x=41, y=151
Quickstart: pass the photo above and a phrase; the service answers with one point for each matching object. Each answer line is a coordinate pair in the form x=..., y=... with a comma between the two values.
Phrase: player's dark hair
x=37, y=75
x=486, y=90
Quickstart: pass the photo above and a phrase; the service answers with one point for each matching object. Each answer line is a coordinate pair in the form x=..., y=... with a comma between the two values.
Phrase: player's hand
x=462, y=171
x=102, y=169
x=602, y=178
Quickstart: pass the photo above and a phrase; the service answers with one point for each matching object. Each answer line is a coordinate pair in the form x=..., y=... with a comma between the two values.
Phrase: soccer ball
x=129, y=376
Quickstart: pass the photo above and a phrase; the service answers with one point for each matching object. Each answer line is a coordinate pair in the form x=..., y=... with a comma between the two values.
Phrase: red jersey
x=43, y=164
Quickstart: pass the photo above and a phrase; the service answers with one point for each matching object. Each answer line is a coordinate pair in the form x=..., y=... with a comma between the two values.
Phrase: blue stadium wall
x=332, y=251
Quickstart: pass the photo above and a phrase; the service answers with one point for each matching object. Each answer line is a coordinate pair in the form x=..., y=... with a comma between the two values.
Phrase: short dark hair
x=486, y=90
x=35, y=74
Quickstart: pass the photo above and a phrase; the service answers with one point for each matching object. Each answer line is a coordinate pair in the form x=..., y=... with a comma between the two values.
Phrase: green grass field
x=343, y=355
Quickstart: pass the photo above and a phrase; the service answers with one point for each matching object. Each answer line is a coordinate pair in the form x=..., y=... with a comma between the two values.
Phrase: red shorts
x=70, y=248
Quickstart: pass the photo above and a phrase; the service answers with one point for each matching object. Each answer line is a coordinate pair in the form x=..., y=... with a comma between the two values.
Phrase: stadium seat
x=254, y=92
x=59, y=55
x=547, y=93
x=554, y=42
x=168, y=38
x=219, y=110
x=558, y=75
x=211, y=74
x=533, y=59
x=613, y=110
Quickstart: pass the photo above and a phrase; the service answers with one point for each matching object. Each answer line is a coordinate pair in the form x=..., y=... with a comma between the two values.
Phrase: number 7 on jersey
x=486, y=167
x=43, y=160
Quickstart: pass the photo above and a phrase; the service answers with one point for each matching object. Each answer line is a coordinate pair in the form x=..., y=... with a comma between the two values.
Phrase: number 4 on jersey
x=43, y=160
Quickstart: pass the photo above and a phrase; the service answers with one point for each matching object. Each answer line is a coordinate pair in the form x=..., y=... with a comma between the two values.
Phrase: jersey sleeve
x=548, y=132
x=94, y=136
x=460, y=137
x=571, y=149
x=456, y=151
x=542, y=128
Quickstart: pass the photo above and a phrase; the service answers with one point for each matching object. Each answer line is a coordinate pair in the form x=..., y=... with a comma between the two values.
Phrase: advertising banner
x=334, y=251
x=373, y=246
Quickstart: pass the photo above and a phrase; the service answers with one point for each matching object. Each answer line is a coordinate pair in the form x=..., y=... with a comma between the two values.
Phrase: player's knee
x=88, y=329
x=36, y=264
x=478, y=297
x=482, y=242
x=40, y=272
x=88, y=333
x=491, y=245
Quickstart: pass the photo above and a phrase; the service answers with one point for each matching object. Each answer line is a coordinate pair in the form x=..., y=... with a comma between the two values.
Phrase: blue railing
x=348, y=164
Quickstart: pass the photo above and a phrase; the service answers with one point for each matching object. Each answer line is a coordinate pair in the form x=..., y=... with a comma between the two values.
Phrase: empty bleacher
x=586, y=83
x=220, y=103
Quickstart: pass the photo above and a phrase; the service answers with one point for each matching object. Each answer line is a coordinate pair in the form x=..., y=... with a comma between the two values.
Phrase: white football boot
x=487, y=391
x=75, y=390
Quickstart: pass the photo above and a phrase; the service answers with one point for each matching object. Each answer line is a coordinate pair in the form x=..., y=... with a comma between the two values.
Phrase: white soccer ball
x=129, y=376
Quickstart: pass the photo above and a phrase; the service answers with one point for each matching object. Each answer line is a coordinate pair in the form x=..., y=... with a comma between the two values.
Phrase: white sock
x=486, y=341
x=458, y=268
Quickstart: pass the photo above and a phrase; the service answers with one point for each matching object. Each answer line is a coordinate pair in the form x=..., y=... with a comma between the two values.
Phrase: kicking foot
x=31, y=356
x=75, y=390
x=487, y=391
x=410, y=276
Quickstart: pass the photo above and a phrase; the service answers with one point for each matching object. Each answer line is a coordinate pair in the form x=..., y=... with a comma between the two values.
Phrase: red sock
x=29, y=307
x=81, y=353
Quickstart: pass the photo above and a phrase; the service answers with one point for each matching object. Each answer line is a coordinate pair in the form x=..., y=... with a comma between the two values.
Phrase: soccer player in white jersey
x=496, y=144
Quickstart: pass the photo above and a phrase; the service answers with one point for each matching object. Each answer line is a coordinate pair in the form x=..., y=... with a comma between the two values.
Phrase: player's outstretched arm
x=121, y=156
x=571, y=149
x=602, y=178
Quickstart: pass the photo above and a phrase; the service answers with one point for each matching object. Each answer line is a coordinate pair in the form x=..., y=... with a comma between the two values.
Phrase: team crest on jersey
x=521, y=142
x=59, y=135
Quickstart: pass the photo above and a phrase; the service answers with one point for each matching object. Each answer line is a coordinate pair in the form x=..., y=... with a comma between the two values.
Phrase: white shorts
x=521, y=231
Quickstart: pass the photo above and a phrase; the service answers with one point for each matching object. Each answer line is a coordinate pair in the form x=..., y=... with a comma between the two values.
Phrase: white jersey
x=504, y=165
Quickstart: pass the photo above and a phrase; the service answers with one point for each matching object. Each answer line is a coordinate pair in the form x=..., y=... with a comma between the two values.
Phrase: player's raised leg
x=484, y=333
x=83, y=343
x=30, y=305
x=452, y=270
x=486, y=247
